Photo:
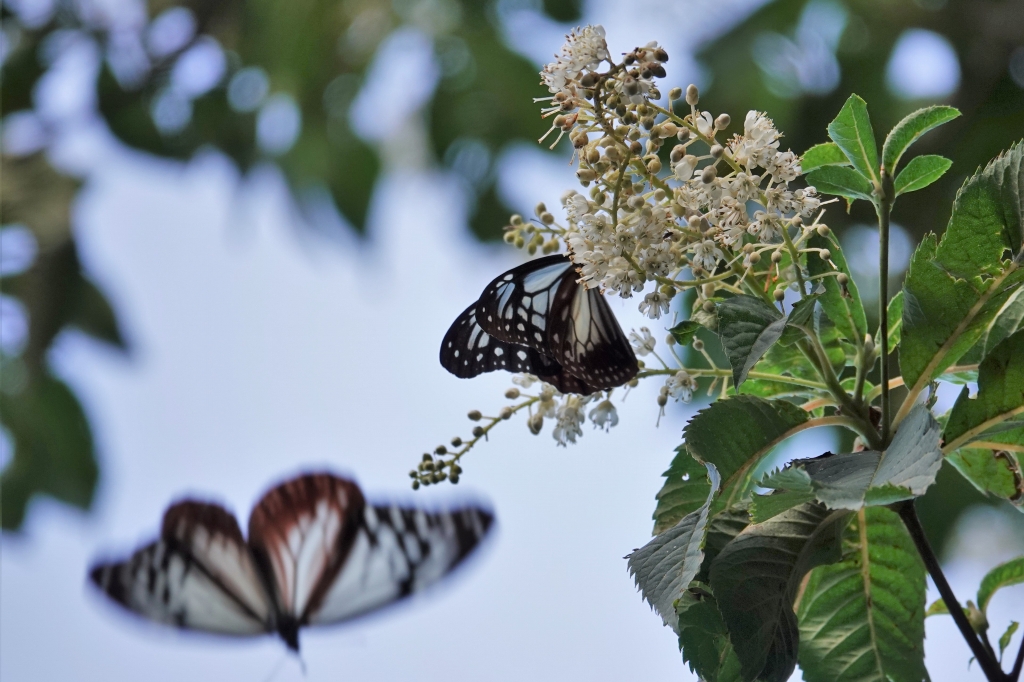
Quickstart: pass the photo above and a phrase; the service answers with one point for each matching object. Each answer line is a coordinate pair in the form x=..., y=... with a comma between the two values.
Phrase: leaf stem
x=989, y=665
x=883, y=207
x=1018, y=664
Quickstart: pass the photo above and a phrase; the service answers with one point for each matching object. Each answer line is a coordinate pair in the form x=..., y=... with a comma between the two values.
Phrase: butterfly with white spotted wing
x=317, y=554
x=536, y=318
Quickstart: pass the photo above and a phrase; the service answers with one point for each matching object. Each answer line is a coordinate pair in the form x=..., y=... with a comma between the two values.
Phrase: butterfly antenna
x=277, y=668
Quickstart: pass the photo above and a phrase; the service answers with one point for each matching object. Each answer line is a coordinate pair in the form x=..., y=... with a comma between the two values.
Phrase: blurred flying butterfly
x=317, y=554
x=538, y=319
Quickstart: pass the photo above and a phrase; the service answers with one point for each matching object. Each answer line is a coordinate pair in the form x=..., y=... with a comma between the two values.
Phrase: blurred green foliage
x=317, y=54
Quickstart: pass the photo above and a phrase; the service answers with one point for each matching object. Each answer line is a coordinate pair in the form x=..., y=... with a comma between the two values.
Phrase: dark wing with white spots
x=399, y=551
x=467, y=350
x=515, y=307
x=587, y=339
x=199, y=575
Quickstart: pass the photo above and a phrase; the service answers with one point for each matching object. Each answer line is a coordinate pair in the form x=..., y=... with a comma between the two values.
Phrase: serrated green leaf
x=764, y=507
x=722, y=528
x=851, y=131
x=53, y=449
x=1003, y=575
x=703, y=637
x=992, y=464
x=921, y=172
x=684, y=331
x=895, y=315
x=1004, y=639
x=841, y=181
x=1008, y=319
x=854, y=479
x=665, y=566
x=685, y=489
x=755, y=580
x=843, y=304
x=825, y=154
x=860, y=618
x=1006, y=179
x=913, y=126
x=736, y=433
x=937, y=608
x=747, y=327
x=1000, y=394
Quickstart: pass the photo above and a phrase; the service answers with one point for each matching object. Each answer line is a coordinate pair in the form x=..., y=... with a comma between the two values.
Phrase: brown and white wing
x=199, y=575
x=587, y=339
x=301, y=533
x=398, y=552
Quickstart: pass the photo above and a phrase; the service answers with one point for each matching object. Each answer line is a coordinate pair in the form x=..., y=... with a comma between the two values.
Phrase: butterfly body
x=317, y=553
x=538, y=319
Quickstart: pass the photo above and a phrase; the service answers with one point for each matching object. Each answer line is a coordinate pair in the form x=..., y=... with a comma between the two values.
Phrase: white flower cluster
x=718, y=205
x=569, y=411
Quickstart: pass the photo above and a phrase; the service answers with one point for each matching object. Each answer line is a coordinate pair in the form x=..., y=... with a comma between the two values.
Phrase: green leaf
x=94, y=316
x=756, y=578
x=841, y=181
x=703, y=637
x=921, y=172
x=685, y=489
x=1009, y=318
x=992, y=465
x=1004, y=639
x=895, y=315
x=825, y=154
x=1006, y=182
x=722, y=528
x=937, y=608
x=907, y=131
x=854, y=479
x=851, y=131
x=684, y=331
x=665, y=566
x=860, y=619
x=53, y=448
x=1003, y=575
x=1000, y=394
x=747, y=327
x=736, y=433
x=843, y=304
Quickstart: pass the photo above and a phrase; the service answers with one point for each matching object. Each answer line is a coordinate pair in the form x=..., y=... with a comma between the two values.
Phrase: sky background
x=261, y=349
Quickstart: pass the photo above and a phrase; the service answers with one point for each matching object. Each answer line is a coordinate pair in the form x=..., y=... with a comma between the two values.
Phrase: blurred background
x=234, y=234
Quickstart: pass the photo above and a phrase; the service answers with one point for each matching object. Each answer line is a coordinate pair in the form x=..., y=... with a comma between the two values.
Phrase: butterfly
x=536, y=318
x=317, y=553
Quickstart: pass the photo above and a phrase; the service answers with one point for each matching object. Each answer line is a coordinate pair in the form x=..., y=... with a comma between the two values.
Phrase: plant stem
x=988, y=664
x=883, y=208
x=1018, y=664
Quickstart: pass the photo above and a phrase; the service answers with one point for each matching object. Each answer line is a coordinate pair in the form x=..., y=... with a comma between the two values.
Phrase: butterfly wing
x=199, y=575
x=587, y=340
x=397, y=552
x=301, y=533
x=515, y=306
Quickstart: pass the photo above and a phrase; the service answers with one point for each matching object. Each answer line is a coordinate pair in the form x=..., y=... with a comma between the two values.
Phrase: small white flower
x=706, y=254
x=705, y=124
x=643, y=342
x=604, y=416
x=681, y=386
x=524, y=380
x=684, y=169
x=655, y=304
x=570, y=417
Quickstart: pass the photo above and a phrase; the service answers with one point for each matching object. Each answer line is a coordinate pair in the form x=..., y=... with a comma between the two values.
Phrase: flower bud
x=593, y=156
x=510, y=237
x=415, y=485
x=550, y=246
x=512, y=393
x=823, y=230
x=717, y=150
x=474, y=415
x=456, y=442
x=697, y=344
x=708, y=289
x=427, y=457
x=754, y=258
x=843, y=279
x=692, y=95
x=796, y=221
x=677, y=153
x=630, y=86
x=675, y=93
x=478, y=431
x=635, y=148
x=658, y=71
x=535, y=423
x=670, y=340
x=708, y=175
x=586, y=175
x=779, y=293
x=723, y=121
x=683, y=135
x=654, y=165
x=520, y=242
x=776, y=256
x=589, y=79
x=506, y=413
x=824, y=254
x=662, y=400
x=869, y=343
x=413, y=474
x=669, y=129
x=709, y=306
x=580, y=139
x=546, y=218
